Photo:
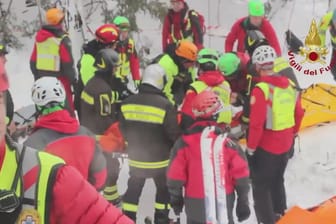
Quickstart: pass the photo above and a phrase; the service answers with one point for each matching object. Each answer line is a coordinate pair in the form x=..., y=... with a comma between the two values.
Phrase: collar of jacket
x=57, y=30
x=199, y=125
x=146, y=88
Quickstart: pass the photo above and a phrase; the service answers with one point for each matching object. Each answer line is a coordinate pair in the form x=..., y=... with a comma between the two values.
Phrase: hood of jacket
x=60, y=121
x=275, y=80
x=48, y=31
x=212, y=78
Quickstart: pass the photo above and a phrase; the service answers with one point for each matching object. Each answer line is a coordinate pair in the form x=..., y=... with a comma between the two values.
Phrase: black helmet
x=254, y=39
x=3, y=48
x=106, y=60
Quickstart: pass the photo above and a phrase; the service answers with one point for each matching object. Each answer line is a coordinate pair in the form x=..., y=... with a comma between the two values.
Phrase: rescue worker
x=328, y=22
x=149, y=125
x=209, y=77
x=129, y=61
x=100, y=104
x=254, y=21
x=37, y=187
x=9, y=100
x=178, y=63
x=106, y=36
x=181, y=23
x=52, y=54
x=189, y=166
x=56, y=132
x=275, y=114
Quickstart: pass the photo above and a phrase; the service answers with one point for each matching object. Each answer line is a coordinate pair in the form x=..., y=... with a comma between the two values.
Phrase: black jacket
x=148, y=141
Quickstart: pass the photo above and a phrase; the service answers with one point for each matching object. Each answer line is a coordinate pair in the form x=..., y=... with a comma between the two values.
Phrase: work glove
x=177, y=204
x=250, y=157
x=242, y=211
x=242, y=208
x=137, y=83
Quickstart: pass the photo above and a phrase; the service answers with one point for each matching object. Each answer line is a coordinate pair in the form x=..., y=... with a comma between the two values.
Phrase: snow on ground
x=310, y=177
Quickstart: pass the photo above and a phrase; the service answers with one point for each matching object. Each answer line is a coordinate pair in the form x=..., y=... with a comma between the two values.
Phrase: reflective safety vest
x=38, y=191
x=124, y=69
x=280, y=106
x=187, y=33
x=48, y=56
x=223, y=90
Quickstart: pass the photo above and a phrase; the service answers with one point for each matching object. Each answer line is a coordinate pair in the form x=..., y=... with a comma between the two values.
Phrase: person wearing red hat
x=52, y=54
x=182, y=23
x=37, y=187
x=106, y=36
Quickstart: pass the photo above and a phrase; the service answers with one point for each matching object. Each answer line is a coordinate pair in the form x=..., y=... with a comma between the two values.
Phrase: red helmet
x=107, y=33
x=206, y=104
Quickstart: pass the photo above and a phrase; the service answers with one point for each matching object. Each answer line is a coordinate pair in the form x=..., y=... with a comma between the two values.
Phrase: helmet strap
x=50, y=108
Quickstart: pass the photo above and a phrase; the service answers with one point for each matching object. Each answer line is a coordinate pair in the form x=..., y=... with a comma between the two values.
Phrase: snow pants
x=267, y=174
x=131, y=197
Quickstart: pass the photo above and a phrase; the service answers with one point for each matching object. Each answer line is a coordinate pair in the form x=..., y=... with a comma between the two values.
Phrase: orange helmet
x=54, y=16
x=187, y=50
x=107, y=33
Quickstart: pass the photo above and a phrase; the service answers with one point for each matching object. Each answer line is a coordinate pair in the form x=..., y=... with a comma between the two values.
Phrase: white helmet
x=47, y=90
x=263, y=54
x=155, y=75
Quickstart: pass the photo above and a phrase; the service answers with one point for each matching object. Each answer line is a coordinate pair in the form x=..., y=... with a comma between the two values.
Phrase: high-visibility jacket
x=280, y=106
x=148, y=122
x=38, y=191
x=173, y=73
x=128, y=60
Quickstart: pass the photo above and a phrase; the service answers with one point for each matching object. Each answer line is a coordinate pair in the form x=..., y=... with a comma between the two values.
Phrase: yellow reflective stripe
x=111, y=188
x=87, y=98
x=130, y=207
x=161, y=206
x=115, y=96
x=148, y=165
x=142, y=113
x=105, y=104
x=7, y=171
x=48, y=162
x=111, y=197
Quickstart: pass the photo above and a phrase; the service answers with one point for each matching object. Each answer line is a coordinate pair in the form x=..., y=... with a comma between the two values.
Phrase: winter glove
x=137, y=83
x=250, y=157
x=176, y=203
x=242, y=209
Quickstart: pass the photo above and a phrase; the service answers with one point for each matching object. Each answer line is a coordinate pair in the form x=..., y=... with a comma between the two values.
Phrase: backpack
x=195, y=18
x=200, y=18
